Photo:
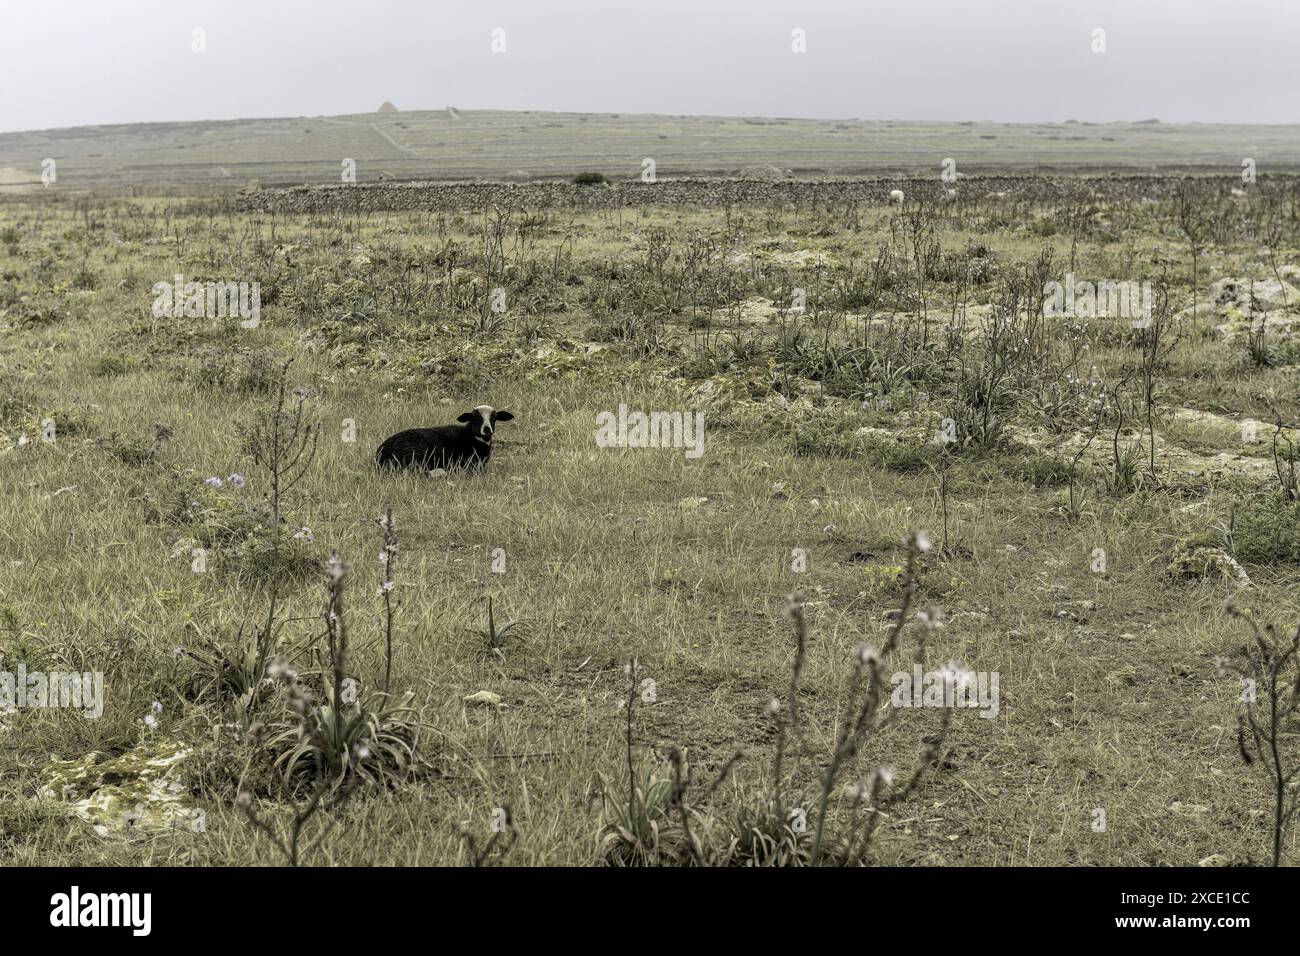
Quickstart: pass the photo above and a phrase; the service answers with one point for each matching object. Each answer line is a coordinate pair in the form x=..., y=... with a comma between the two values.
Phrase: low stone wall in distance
x=434, y=196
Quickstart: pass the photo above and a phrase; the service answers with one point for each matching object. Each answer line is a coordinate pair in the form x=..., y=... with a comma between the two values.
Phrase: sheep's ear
x=504, y=417
x=467, y=417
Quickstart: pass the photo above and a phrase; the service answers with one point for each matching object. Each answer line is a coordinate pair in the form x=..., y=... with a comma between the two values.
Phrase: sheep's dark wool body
x=446, y=447
x=464, y=446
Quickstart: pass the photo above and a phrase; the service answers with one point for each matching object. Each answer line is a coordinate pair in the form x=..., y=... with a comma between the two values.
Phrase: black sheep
x=464, y=446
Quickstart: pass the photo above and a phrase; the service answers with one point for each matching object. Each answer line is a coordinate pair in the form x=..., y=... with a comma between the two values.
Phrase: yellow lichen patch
x=142, y=789
x=565, y=357
x=1205, y=564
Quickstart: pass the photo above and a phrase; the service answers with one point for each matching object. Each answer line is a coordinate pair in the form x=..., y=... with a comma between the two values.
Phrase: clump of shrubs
x=831, y=817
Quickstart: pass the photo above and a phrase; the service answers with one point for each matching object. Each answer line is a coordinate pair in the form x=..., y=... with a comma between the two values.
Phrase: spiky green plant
x=350, y=743
x=495, y=636
x=761, y=834
x=640, y=828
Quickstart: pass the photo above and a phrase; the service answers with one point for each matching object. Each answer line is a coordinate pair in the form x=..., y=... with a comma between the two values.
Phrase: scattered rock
x=183, y=547
x=1126, y=676
x=484, y=698
x=1268, y=294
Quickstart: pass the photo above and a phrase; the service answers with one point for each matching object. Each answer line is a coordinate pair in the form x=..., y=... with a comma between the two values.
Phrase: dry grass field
x=1095, y=496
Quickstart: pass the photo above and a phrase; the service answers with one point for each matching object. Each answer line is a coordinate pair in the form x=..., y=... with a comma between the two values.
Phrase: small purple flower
x=237, y=480
x=213, y=482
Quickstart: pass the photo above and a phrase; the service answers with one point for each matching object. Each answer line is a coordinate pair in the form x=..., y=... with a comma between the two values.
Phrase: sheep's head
x=483, y=421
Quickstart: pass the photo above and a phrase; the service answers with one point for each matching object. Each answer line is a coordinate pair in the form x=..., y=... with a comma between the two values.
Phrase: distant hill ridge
x=454, y=144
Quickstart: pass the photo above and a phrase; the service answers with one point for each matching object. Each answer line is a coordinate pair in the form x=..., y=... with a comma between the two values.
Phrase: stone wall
x=434, y=196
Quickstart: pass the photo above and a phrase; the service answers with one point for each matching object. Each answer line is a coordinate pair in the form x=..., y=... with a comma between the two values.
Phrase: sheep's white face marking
x=485, y=425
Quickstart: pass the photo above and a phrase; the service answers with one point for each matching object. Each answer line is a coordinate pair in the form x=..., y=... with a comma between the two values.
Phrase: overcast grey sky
x=75, y=62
